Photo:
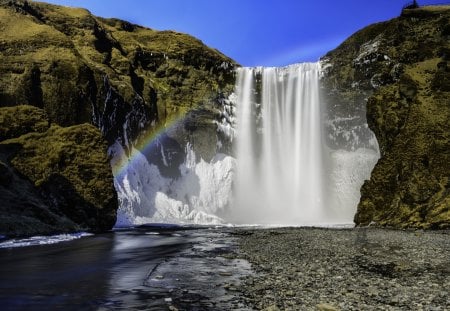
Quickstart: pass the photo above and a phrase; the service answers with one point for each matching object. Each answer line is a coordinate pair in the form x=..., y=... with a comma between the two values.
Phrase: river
x=146, y=268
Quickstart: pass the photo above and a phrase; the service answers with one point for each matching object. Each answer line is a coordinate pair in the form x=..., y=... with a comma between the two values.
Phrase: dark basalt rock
x=397, y=69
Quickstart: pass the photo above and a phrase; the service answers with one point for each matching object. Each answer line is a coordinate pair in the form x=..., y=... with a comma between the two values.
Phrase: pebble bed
x=345, y=269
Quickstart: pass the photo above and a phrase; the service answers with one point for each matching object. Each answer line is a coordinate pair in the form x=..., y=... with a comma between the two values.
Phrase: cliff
x=81, y=68
x=72, y=84
x=53, y=179
x=399, y=70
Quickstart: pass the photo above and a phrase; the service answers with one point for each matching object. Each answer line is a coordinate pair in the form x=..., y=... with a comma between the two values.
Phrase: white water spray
x=285, y=173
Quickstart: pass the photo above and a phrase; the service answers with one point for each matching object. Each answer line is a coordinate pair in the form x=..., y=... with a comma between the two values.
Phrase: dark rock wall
x=81, y=68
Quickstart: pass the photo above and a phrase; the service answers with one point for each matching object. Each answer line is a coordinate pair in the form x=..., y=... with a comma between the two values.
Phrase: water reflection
x=71, y=274
x=149, y=268
x=134, y=256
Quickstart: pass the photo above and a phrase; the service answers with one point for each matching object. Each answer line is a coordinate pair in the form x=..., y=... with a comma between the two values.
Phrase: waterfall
x=285, y=172
x=295, y=161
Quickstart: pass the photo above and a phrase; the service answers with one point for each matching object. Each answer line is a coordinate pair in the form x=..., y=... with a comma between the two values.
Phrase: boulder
x=54, y=179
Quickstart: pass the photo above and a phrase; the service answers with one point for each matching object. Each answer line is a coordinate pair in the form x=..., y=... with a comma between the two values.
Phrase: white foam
x=43, y=240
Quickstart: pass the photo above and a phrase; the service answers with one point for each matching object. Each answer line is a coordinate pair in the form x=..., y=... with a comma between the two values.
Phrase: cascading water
x=279, y=147
x=285, y=172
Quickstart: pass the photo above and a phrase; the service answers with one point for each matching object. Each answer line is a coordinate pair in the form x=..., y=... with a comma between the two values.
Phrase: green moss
x=18, y=120
x=78, y=153
x=61, y=42
x=408, y=112
x=53, y=179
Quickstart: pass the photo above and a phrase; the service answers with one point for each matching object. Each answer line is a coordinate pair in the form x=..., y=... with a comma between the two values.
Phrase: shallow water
x=149, y=268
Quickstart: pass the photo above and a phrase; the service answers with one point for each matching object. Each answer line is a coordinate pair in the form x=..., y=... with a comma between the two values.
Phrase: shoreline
x=290, y=268
x=345, y=269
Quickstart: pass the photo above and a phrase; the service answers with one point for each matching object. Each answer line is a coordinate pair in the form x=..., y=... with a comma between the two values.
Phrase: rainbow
x=146, y=140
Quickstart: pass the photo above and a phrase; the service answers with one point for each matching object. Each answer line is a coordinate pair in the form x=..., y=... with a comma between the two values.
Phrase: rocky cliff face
x=81, y=68
x=399, y=70
x=78, y=69
x=53, y=179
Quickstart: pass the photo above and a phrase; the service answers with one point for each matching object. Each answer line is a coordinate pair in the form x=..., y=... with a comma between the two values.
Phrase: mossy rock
x=19, y=120
x=409, y=114
x=58, y=58
x=53, y=179
x=69, y=165
x=64, y=72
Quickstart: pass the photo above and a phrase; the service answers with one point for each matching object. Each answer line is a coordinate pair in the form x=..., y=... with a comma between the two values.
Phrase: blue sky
x=254, y=32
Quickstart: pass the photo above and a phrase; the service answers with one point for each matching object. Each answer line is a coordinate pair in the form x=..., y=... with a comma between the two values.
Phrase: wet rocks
x=325, y=307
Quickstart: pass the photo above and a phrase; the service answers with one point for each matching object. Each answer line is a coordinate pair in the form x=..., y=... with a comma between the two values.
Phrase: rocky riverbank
x=346, y=269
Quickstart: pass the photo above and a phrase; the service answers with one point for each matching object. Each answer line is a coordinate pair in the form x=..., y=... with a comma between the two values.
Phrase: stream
x=155, y=267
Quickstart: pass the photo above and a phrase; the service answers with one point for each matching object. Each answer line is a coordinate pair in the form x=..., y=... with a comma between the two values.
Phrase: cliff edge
x=399, y=71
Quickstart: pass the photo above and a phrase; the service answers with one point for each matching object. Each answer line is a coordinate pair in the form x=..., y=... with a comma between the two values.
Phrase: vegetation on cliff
x=81, y=68
x=64, y=72
x=399, y=68
x=54, y=179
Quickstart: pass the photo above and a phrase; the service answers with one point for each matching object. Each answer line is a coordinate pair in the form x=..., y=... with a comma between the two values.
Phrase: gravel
x=345, y=269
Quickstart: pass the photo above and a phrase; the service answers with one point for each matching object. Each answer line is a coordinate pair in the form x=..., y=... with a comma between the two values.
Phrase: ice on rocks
x=200, y=194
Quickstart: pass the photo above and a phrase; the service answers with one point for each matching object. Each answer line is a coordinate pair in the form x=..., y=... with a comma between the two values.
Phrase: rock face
x=81, y=72
x=81, y=68
x=54, y=179
x=399, y=68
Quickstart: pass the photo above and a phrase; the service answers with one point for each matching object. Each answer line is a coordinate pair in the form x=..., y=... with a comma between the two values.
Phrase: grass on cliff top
x=61, y=10
x=168, y=42
x=16, y=27
x=431, y=8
